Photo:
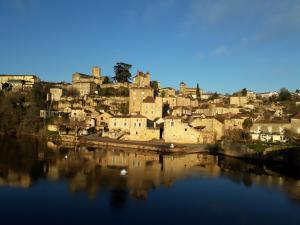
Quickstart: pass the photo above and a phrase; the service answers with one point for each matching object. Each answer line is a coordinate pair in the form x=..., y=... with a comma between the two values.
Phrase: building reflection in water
x=95, y=170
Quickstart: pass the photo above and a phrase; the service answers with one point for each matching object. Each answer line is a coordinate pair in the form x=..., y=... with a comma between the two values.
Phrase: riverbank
x=286, y=153
x=157, y=146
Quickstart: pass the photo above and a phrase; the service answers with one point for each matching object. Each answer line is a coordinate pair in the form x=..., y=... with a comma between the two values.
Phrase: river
x=41, y=183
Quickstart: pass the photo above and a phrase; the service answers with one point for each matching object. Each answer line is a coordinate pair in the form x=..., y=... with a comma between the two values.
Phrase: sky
x=224, y=45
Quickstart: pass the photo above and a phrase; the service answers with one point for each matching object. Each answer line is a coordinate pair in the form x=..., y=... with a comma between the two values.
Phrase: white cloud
x=219, y=51
x=200, y=55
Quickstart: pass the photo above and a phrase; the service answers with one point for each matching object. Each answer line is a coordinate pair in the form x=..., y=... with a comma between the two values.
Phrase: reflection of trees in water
x=119, y=194
x=95, y=170
x=268, y=174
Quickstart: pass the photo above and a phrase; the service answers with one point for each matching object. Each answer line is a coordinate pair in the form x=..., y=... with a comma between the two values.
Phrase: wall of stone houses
x=194, y=103
x=152, y=110
x=136, y=97
x=171, y=101
x=231, y=124
x=168, y=92
x=85, y=88
x=211, y=125
x=180, y=132
x=295, y=126
x=78, y=114
x=105, y=118
x=183, y=101
x=143, y=134
x=206, y=111
x=270, y=127
x=238, y=100
x=142, y=81
x=119, y=124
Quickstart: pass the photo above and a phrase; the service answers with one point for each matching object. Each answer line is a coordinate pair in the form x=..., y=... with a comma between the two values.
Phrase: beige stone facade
x=178, y=131
x=56, y=94
x=152, y=108
x=210, y=125
x=87, y=84
x=295, y=124
x=19, y=82
x=184, y=90
x=239, y=100
x=132, y=127
x=170, y=100
x=137, y=96
x=142, y=79
x=167, y=91
x=270, y=131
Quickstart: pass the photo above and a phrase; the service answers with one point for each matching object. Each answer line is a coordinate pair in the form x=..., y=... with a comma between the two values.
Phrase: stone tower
x=182, y=88
x=96, y=72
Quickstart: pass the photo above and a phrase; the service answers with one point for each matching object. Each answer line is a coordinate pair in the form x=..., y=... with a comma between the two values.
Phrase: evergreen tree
x=122, y=72
x=198, y=91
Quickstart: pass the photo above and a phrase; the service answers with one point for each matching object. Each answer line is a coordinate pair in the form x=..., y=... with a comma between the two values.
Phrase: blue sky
x=224, y=45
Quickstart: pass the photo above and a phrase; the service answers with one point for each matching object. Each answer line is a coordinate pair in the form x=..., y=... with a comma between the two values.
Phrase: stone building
x=56, y=94
x=87, y=84
x=210, y=124
x=234, y=122
x=182, y=111
x=213, y=109
x=131, y=127
x=152, y=107
x=170, y=100
x=239, y=100
x=295, y=124
x=270, y=130
x=167, y=91
x=19, y=82
x=142, y=79
x=183, y=101
x=178, y=131
x=137, y=96
x=184, y=90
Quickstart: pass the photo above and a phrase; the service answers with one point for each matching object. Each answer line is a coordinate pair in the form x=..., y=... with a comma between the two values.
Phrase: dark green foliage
x=166, y=108
x=154, y=85
x=284, y=95
x=214, y=96
x=19, y=111
x=198, y=91
x=107, y=80
x=247, y=124
x=123, y=108
x=6, y=87
x=244, y=92
x=122, y=72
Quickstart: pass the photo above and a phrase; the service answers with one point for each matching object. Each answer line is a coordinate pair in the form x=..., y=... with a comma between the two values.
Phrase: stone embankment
x=157, y=146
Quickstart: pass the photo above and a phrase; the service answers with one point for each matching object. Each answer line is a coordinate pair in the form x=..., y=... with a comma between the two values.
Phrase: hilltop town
x=139, y=109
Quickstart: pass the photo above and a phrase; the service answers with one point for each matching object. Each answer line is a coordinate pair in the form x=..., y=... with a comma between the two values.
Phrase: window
x=185, y=129
x=125, y=124
x=101, y=118
x=140, y=124
x=115, y=124
x=270, y=129
x=136, y=133
x=134, y=124
x=172, y=123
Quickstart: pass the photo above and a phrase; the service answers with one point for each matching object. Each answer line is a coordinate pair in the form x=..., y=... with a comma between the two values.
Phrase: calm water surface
x=41, y=183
